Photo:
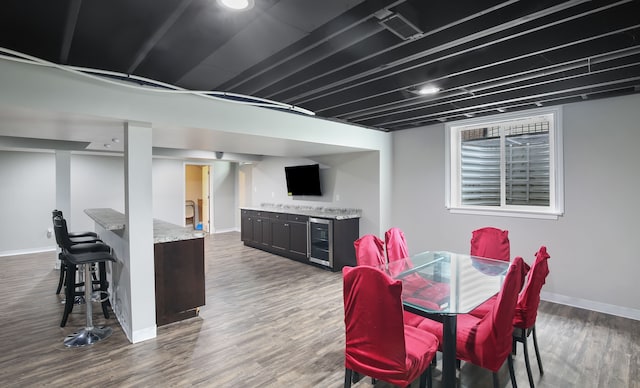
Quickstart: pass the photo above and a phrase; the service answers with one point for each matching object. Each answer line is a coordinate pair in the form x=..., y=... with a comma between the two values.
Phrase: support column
x=139, y=230
x=63, y=190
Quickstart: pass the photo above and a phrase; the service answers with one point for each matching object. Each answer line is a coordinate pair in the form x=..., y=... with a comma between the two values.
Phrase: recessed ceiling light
x=115, y=140
x=428, y=89
x=237, y=5
x=107, y=145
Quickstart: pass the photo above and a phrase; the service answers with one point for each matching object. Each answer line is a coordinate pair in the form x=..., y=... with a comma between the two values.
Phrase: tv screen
x=303, y=180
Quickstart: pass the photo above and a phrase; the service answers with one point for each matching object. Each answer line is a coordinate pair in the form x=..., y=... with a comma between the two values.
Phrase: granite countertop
x=162, y=231
x=320, y=212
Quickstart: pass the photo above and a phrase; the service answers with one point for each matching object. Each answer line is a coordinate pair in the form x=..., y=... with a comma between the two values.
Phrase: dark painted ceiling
x=357, y=61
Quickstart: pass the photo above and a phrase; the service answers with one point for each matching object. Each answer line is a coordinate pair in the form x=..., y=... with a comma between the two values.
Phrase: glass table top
x=446, y=282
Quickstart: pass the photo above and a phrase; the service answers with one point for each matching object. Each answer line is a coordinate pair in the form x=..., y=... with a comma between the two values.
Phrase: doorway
x=197, y=197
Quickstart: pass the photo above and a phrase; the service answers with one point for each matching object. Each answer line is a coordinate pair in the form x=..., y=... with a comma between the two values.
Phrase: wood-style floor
x=268, y=322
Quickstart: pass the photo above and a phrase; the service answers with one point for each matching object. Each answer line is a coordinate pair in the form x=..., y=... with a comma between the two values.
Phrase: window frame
x=453, y=201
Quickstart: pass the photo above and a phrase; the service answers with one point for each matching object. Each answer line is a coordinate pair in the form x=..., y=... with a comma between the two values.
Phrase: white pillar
x=63, y=189
x=139, y=230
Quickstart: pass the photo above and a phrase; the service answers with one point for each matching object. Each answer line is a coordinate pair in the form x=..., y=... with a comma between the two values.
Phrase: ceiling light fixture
x=238, y=5
x=428, y=89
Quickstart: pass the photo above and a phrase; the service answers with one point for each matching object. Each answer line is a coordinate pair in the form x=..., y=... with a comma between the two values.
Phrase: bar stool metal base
x=86, y=337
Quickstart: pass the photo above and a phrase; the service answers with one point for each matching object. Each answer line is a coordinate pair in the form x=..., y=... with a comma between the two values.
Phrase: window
x=506, y=165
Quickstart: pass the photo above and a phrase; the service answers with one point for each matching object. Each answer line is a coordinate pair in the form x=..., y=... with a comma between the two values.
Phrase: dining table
x=440, y=285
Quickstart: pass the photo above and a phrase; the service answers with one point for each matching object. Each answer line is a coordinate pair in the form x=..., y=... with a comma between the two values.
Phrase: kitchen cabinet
x=286, y=235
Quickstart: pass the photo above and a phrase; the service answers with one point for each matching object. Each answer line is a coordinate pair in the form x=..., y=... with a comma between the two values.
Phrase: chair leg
x=347, y=377
x=512, y=373
x=429, y=377
x=526, y=361
x=70, y=294
x=104, y=286
x=63, y=270
x=423, y=378
x=535, y=345
x=496, y=381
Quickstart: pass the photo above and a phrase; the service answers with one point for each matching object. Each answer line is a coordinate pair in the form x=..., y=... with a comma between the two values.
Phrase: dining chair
x=377, y=341
x=369, y=251
x=492, y=243
x=415, y=285
x=487, y=341
x=524, y=321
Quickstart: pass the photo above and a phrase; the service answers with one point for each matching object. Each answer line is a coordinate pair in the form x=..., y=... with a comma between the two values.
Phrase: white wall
x=168, y=194
x=348, y=180
x=27, y=195
x=593, y=251
x=224, y=196
x=96, y=182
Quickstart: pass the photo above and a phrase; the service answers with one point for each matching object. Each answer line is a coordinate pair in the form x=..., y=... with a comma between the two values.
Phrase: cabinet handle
x=287, y=225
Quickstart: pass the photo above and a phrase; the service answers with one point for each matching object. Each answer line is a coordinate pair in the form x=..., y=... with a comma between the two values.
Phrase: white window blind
x=507, y=164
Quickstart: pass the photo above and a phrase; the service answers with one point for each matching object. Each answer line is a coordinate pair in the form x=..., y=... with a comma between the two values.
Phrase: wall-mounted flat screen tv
x=303, y=180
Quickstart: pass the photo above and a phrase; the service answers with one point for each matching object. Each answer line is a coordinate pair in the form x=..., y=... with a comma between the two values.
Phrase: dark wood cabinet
x=298, y=235
x=280, y=238
x=179, y=279
x=287, y=234
x=246, y=225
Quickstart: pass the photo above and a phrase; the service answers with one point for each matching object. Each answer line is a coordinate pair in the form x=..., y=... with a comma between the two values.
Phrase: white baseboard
x=28, y=251
x=226, y=230
x=606, y=308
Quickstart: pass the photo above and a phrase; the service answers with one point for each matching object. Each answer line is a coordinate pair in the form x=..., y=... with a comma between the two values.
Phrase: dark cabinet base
x=179, y=279
x=287, y=236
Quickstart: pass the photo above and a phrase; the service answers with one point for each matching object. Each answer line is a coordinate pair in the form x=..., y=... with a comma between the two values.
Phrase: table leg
x=449, y=324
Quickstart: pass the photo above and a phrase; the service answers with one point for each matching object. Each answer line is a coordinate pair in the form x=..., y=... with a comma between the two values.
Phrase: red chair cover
x=486, y=341
x=369, y=251
x=415, y=286
x=529, y=299
x=378, y=343
x=484, y=308
x=492, y=243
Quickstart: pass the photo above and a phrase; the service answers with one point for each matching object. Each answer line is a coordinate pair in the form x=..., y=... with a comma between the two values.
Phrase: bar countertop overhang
x=162, y=231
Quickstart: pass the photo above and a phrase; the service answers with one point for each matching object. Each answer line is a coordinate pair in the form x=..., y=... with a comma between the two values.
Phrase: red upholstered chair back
x=369, y=251
x=396, y=247
x=529, y=299
x=373, y=320
x=492, y=337
x=396, y=244
x=492, y=243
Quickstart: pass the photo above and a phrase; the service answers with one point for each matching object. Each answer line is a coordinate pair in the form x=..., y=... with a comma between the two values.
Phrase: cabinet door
x=298, y=238
x=280, y=234
x=266, y=231
x=257, y=230
x=246, y=228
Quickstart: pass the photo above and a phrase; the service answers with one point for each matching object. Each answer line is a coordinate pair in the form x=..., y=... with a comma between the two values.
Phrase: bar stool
x=89, y=334
x=76, y=238
x=69, y=248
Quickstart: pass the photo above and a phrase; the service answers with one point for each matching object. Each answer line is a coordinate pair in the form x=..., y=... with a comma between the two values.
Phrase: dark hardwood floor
x=268, y=322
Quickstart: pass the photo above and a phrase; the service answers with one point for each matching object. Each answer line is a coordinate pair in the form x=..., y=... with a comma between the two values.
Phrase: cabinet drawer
x=297, y=217
x=279, y=216
x=246, y=212
x=260, y=213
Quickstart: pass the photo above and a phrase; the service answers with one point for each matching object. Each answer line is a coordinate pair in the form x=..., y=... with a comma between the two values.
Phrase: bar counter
x=163, y=231
x=178, y=266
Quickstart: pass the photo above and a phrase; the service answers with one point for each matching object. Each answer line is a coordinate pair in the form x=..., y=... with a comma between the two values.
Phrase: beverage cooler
x=320, y=241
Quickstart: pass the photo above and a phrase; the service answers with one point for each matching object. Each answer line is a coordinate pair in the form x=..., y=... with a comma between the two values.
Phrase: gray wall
x=349, y=180
x=593, y=250
x=27, y=195
x=225, y=205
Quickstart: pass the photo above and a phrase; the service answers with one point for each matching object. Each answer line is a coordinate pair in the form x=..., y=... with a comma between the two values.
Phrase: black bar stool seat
x=89, y=334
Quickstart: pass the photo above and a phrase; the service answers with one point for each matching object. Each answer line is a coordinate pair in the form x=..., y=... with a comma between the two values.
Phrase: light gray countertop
x=320, y=212
x=163, y=231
